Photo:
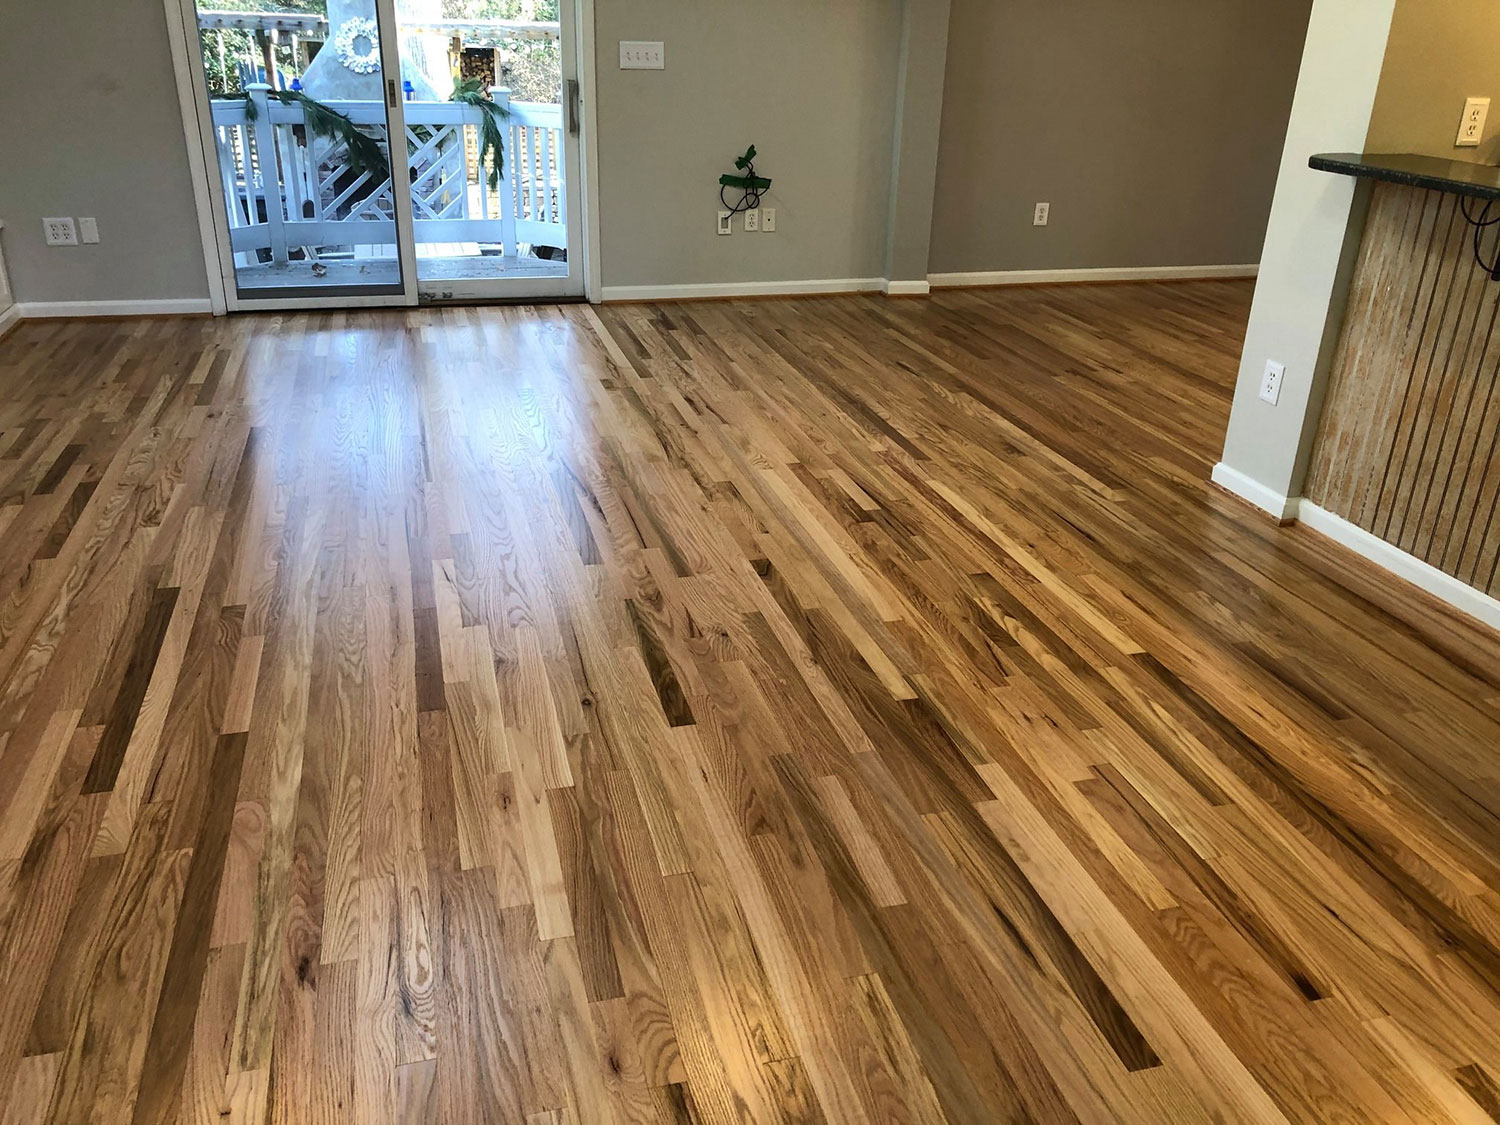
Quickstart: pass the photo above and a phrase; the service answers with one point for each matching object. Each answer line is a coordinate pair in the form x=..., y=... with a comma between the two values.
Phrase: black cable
x=751, y=197
x=1479, y=225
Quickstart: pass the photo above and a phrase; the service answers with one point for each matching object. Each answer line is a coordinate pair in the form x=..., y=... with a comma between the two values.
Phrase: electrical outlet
x=60, y=232
x=1270, y=384
x=752, y=219
x=1471, y=128
x=1042, y=213
x=636, y=55
x=767, y=219
x=88, y=231
x=726, y=222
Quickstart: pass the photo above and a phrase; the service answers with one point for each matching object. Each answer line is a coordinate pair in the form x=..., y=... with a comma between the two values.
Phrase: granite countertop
x=1481, y=181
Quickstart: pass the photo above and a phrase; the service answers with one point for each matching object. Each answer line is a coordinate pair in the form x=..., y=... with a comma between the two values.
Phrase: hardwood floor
x=811, y=710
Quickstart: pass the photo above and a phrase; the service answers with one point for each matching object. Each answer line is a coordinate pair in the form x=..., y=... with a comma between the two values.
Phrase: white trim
x=906, y=288
x=181, y=306
x=182, y=22
x=1054, y=277
x=588, y=82
x=1246, y=488
x=743, y=289
x=1459, y=595
x=10, y=316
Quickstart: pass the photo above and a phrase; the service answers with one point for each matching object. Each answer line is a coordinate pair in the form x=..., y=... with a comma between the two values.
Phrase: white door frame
x=213, y=219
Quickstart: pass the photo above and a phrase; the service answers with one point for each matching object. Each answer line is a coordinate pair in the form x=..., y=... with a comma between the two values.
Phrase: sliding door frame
x=212, y=208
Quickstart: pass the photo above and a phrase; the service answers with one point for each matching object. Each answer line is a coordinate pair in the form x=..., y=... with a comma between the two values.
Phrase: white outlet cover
x=88, y=230
x=752, y=219
x=1041, y=215
x=767, y=219
x=59, y=232
x=1471, y=128
x=726, y=222
x=1270, y=384
x=637, y=54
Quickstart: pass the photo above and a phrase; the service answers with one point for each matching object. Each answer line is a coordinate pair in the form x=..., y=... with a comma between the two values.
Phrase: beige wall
x=1153, y=128
x=89, y=125
x=813, y=85
x=1441, y=52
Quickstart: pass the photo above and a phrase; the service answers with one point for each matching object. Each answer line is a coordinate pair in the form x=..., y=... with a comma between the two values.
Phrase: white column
x=1316, y=220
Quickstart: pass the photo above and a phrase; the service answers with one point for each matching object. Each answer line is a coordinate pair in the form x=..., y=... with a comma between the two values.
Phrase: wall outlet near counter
x=1041, y=215
x=1270, y=384
x=1471, y=128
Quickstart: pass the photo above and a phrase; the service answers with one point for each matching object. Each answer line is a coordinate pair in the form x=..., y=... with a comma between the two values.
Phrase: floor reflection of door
x=299, y=111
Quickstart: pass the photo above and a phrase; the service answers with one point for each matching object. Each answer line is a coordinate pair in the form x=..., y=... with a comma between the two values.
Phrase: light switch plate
x=59, y=232
x=1471, y=128
x=726, y=222
x=641, y=55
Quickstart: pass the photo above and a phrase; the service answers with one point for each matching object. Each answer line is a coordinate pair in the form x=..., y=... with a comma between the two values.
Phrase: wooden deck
x=834, y=710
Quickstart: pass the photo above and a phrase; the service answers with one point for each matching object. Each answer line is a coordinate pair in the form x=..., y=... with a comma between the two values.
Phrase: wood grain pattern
x=815, y=710
x=1408, y=445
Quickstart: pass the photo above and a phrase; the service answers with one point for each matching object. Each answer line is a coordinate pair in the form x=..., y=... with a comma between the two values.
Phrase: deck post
x=270, y=173
x=500, y=95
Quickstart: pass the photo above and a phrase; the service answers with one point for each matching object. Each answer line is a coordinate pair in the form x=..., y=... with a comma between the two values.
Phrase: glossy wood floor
x=824, y=710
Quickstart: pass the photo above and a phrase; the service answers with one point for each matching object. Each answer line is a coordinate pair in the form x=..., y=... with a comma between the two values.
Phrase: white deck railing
x=288, y=188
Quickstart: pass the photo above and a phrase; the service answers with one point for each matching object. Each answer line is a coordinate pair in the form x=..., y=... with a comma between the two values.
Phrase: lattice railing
x=312, y=199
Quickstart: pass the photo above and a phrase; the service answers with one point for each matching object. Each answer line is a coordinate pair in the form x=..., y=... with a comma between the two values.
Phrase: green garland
x=365, y=153
x=470, y=91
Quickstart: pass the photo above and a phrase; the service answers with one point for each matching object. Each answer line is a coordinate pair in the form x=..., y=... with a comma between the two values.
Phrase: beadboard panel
x=1407, y=445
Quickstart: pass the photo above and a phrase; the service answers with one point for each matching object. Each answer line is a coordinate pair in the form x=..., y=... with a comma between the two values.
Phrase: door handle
x=390, y=93
x=573, y=106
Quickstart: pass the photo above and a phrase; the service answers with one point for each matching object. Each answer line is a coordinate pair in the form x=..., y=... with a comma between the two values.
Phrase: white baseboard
x=1459, y=595
x=1125, y=273
x=744, y=289
x=10, y=316
x=1246, y=488
x=179, y=306
x=907, y=288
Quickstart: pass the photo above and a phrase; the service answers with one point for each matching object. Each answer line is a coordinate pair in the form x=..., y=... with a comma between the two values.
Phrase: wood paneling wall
x=1407, y=446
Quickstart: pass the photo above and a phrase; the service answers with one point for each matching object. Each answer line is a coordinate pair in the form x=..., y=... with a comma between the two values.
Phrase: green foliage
x=365, y=153
x=470, y=91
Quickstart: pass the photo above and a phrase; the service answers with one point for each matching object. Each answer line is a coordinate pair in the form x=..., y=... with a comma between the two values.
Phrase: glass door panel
x=300, y=123
x=489, y=148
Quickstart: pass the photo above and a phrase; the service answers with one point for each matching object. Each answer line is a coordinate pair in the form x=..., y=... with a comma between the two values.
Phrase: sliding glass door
x=381, y=151
x=303, y=104
x=492, y=144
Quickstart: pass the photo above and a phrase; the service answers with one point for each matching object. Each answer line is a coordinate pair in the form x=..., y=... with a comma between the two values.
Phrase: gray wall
x=1441, y=52
x=1153, y=128
x=813, y=85
x=89, y=125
